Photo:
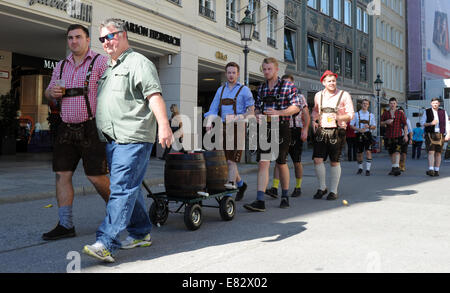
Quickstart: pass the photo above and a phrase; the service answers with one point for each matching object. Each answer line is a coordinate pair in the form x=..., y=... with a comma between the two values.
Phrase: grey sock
x=65, y=217
x=335, y=177
x=321, y=173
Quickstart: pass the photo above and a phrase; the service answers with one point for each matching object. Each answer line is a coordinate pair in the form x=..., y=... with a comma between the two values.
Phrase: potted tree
x=8, y=123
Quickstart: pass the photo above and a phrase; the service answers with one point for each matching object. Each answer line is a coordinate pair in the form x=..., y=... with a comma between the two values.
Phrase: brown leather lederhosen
x=329, y=134
x=234, y=154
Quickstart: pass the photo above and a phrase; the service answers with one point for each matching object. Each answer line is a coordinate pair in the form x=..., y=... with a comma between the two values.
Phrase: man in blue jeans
x=128, y=108
x=417, y=141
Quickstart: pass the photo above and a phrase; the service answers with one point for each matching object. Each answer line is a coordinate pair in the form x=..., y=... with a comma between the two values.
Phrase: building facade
x=329, y=34
x=189, y=41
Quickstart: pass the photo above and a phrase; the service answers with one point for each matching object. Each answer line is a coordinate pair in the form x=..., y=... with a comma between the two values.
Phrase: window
x=313, y=48
x=366, y=22
x=325, y=57
x=337, y=60
x=325, y=6
x=359, y=19
x=382, y=30
x=289, y=45
x=348, y=65
x=392, y=36
x=312, y=4
x=232, y=12
x=337, y=10
x=348, y=12
x=253, y=6
x=401, y=41
x=206, y=8
x=378, y=65
x=363, y=69
x=271, y=26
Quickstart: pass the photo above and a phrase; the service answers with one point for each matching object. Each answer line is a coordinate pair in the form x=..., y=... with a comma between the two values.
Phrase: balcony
x=206, y=12
x=178, y=2
x=231, y=23
x=256, y=35
x=271, y=42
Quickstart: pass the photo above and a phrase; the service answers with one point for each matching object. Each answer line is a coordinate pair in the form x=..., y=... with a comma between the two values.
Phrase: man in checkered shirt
x=275, y=98
x=77, y=136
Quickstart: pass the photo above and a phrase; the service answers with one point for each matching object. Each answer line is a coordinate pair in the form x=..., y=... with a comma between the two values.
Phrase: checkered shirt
x=395, y=129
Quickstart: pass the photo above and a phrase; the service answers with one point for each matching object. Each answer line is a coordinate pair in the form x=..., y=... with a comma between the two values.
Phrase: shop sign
x=221, y=56
x=50, y=64
x=152, y=34
x=74, y=8
x=4, y=74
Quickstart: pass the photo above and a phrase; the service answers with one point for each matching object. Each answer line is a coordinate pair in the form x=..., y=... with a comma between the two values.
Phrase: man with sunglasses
x=76, y=137
x=130, y=106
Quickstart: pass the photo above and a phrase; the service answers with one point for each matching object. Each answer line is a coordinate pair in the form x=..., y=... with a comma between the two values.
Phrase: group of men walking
x=110, y=110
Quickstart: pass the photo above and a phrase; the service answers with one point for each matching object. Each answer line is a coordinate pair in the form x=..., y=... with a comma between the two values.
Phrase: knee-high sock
x=321, y=175
x=335, y=177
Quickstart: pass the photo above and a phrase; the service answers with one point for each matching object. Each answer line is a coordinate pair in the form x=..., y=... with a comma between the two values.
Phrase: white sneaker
x=230, y=185
x=98, y=251
x=130, y=242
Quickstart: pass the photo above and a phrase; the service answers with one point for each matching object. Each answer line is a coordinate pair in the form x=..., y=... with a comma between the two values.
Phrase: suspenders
x=228, y=101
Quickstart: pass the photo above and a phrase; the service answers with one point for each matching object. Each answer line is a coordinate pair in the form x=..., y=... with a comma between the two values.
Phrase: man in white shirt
x=437, y=130
x=363, y=123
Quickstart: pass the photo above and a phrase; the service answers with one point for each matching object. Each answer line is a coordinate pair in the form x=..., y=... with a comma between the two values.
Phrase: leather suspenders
x=228, y=101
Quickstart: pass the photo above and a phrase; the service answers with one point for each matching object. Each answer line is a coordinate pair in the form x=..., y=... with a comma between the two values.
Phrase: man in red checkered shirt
x=395, y=122
x=76, y=137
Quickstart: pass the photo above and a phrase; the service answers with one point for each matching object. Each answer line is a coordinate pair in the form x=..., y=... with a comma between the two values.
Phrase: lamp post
x=378, y=83
x=246, y=27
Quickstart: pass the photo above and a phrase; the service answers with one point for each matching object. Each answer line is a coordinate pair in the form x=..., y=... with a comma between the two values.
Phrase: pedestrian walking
x=437, y=130
x=74, y=87
x=333, y=110
x=299, y=125
x=233, y=103
x=417, y=140
x=275, y=97
x=395, y=122
x=129, y=107
x=363, y=123
x=405, y=145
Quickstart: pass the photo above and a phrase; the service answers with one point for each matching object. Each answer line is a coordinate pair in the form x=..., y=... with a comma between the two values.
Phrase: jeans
x=126, y=207
x=416, y=149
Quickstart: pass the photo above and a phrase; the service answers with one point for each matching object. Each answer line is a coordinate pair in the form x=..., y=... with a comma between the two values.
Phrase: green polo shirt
x=123, y=111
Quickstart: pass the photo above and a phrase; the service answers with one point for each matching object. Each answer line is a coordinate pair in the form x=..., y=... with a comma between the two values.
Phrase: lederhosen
x=394, y=144
x=79, y=133
x=284, y=139
x=234, y=154
x=434, y=141
x=364, y=140
x=329, y=141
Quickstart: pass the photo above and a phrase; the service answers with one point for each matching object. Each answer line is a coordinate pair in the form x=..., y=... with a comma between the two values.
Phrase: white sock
x=368, y=165
x=335, y=177
x=321, y=173
x=436, y=169
x=431, y=168
x=360, y=165
x=395, y=165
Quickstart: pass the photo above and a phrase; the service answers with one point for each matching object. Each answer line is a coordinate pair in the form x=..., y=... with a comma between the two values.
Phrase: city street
x=391, y=224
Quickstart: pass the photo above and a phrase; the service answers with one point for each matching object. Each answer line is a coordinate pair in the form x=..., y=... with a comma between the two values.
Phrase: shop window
x=348, y=65
x=325, y=57
x=337, y=60
x=206, y=8
x=289, y=45
x=363, y=69
x=313, y=50
x=271, y=26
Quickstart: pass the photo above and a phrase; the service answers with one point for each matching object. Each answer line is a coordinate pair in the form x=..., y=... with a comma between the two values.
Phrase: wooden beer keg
x=185, y=174
x=217, y=171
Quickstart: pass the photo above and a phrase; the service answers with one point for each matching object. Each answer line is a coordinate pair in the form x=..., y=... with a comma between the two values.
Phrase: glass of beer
x=62, y=84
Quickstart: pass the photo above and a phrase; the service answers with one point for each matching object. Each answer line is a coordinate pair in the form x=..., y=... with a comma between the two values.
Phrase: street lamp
x=246, y=27
x=378, y=83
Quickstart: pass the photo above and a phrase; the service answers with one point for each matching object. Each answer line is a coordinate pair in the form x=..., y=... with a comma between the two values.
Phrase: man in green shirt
x=128, y=108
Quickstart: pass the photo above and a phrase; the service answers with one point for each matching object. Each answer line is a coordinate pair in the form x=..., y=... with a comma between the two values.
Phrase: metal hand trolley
x=193, y=217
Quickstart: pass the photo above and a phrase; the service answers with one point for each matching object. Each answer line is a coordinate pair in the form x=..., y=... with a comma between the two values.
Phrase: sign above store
x=74, y=8
x=152, y=34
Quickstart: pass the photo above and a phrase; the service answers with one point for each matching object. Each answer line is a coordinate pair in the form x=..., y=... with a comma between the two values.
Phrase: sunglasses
x=108, y=37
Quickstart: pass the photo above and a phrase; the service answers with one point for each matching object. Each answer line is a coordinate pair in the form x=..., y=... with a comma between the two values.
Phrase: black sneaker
x=240, y=193
x=430, y=173
x=297, y=192
x=59, y=232
x=436, y=173
x=273, y=192
x=397, y=171
x=256, y=206
x=367, y=173
x=332, y=196
x=319, y=194
x=360, y=171
x=284, y=204
x=392, y=171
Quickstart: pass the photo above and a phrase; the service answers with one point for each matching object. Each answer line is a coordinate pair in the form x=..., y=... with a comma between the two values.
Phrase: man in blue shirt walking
x=233, y=102
x=417, y=141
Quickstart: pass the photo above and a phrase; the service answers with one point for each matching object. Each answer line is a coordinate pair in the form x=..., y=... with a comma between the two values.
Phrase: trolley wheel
x=193, y=216
x=158, y=212
x=227, y=208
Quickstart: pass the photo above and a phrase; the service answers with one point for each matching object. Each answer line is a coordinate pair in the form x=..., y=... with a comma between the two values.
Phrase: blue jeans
x=126, y=207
